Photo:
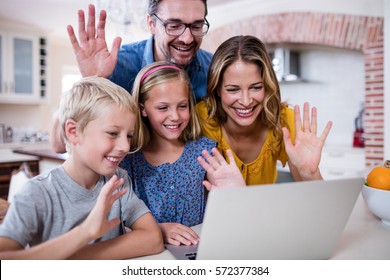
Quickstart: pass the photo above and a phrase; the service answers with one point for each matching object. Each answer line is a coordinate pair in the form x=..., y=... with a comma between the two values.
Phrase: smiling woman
x=244, y=113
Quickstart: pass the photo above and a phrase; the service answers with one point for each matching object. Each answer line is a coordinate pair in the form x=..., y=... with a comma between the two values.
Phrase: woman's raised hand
x=305, y=153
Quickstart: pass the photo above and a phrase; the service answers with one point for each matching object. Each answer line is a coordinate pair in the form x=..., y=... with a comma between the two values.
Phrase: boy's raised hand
x=67, y=244
x=97, y=224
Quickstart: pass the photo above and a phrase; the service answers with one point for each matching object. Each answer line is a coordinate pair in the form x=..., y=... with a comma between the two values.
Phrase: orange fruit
x=379, y=177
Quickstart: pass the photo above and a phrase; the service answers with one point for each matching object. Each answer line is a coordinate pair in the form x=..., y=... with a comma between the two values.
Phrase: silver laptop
x=300, y=220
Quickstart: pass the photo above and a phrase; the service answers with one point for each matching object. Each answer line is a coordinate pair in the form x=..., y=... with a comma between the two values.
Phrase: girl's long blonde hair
x=163, y=72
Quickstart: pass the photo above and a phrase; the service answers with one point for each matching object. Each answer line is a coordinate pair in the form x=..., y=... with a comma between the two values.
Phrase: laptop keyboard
x=191, y=256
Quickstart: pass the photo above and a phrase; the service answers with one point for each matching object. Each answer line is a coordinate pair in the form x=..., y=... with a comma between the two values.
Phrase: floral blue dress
x=173, y=192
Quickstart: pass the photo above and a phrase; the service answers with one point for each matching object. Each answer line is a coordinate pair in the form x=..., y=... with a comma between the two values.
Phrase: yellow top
x=263, y=169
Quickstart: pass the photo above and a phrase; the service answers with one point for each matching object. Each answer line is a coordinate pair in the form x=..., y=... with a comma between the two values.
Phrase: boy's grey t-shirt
x=52, y=204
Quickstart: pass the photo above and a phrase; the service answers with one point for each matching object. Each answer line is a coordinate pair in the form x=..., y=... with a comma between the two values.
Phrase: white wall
x=335, y=85
x=222, y=15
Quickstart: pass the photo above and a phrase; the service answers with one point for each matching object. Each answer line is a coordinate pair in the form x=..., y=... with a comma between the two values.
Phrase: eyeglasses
x=177, y=28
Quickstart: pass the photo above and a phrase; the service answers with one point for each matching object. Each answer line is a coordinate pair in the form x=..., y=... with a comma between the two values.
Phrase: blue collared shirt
x=133, y=57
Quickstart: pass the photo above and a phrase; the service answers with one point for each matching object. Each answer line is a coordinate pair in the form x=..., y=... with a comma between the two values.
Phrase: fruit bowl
x=378, y=201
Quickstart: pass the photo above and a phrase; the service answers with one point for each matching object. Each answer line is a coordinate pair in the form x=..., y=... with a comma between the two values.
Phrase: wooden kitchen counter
x=48, y=159
x=7, y=156
x=43, y=154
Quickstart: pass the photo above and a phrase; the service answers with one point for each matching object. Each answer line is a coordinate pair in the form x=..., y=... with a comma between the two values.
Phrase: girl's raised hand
x=220, y=174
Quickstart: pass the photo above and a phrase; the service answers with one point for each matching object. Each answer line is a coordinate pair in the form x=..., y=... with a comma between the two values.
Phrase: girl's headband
x=150, y=71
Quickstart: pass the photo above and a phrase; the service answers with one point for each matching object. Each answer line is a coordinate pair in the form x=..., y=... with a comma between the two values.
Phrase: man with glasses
x=177, y=28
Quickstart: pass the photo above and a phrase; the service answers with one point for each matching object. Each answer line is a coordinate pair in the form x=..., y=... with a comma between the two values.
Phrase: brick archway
x=360, y=33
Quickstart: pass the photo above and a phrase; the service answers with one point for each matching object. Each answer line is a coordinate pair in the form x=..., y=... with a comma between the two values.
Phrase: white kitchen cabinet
x=22, y=67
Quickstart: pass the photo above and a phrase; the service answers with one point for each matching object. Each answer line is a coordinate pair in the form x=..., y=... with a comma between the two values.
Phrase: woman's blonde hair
x=88, y=97
x=163, y=72
x=251, y=50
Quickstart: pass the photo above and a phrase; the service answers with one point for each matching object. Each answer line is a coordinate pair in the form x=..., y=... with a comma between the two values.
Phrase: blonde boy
x=79, y=209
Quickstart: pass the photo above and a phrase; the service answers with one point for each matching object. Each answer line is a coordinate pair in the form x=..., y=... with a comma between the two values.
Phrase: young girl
x=77, y=209
x=244, y=113
x=166, y=174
